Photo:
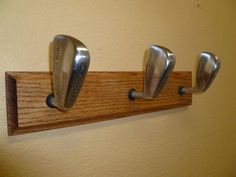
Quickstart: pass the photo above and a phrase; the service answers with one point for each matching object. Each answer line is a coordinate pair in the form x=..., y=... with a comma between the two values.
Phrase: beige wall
x=197, y=141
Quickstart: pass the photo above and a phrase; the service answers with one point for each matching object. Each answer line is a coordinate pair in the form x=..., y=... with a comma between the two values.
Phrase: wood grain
x=102, y=97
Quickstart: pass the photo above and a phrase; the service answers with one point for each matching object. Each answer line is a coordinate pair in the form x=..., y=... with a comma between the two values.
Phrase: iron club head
x=208, y=67
x=70, y=62
x=160, y=64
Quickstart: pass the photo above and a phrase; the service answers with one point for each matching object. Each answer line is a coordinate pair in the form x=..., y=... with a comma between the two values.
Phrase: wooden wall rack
x=102, y=97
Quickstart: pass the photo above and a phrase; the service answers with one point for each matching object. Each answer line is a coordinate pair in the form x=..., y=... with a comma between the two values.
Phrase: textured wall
x=198, y=141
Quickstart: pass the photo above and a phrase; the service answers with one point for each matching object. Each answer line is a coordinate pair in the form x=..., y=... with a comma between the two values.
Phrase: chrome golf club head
x=160, y=64
x=208, y=67
x=70, y=62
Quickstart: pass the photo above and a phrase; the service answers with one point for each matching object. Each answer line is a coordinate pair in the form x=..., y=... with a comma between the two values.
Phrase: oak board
x=103, y=96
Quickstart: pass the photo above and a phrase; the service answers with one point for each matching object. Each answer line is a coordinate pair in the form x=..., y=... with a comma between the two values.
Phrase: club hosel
x=183, y=90
x=133, y=94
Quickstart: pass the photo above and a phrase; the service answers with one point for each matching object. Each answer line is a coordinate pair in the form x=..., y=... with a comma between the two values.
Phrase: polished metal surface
x=160, y=64
x=70, y=61
x=208, y=66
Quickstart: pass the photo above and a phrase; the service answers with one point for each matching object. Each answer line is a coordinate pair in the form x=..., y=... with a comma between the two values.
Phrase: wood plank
x=102, y=97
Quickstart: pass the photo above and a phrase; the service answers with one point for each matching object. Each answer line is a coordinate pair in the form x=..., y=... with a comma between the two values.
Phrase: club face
x=208, y=67
x=70, y=64
x=161, y=62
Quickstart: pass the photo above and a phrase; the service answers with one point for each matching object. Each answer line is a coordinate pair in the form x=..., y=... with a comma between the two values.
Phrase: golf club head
x=160, y=64
x=70, y=62
x=208, y=67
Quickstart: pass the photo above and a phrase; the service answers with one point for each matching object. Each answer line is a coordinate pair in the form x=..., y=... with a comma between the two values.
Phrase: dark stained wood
x=102, y=97
x=11, y=104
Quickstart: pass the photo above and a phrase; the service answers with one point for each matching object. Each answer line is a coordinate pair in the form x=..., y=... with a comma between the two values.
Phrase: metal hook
x=71, y=60
x=160, y=64
x=208, y=67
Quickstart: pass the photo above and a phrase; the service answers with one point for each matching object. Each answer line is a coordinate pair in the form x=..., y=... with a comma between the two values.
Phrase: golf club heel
x=160, y=63
x=70, y=63
x=208, y=67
